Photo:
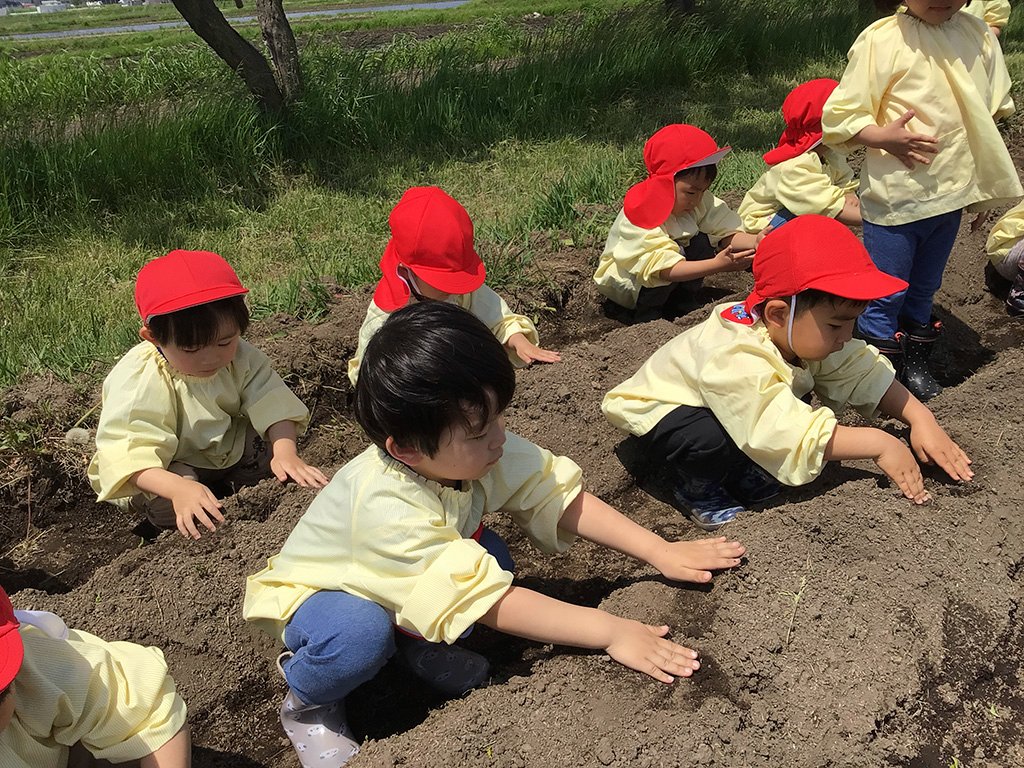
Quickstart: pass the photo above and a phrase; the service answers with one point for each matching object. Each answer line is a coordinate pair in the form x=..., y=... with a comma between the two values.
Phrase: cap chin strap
x=789, y=323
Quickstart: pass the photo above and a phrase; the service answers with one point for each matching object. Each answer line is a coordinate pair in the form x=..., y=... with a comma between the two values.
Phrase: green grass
x=537, y=134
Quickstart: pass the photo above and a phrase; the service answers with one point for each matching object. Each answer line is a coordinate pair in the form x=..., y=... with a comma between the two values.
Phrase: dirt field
x=860, y=631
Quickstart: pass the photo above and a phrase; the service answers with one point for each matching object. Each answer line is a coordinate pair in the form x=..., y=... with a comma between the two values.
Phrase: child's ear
x=408, y=456
x=776, y=313
x=147, y=335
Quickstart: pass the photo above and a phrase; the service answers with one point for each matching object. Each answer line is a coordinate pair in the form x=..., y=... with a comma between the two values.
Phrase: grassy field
x=109, y=163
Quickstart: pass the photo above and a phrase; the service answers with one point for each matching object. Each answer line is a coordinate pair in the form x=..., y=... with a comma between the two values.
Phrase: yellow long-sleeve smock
x=995, y=13
x=633, y=256
x=384, y=533
x=736, y=371
x=116, y=698
x=954, y=78
x=1005, y=234
x=488, y=307
x=803, y=184
x=153, y=415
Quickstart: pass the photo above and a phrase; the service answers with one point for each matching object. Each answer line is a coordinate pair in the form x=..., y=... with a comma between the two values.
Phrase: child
x=1005, y=248
x=921, y=92
x=66, y=695
x=396, y=538
x=660, y=245
x=430, y=257
x=805, y=175
x=193, y=404
x=996, y=13
x=724, y=405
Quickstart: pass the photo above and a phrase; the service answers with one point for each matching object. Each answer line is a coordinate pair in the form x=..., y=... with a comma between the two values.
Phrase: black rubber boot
x=916, y=376
x=892, y=350
x=1015, y=298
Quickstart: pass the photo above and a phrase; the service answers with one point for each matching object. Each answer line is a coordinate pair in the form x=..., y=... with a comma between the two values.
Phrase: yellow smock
x=116, y=698
x=737, y=372
x=384, y=533
x=153, y=415
x=803, y=184
x=1005, y=234
x=995, y=13
x=954, y=77
x=633, y=256
x=488, y=307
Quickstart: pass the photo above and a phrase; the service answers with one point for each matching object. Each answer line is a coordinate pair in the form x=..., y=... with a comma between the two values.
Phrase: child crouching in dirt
x=393, y=556
x=661, y=245
x=68, y=698
x=805, y=175
x=724, y=406
x=1004, y=271
x=431, y=257
x=194, y=404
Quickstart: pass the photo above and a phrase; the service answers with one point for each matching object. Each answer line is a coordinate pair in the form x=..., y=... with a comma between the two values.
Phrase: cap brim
x=215, y=293
x=453, y=282
x=713, y=159
x=785, y=152
x=860, y=286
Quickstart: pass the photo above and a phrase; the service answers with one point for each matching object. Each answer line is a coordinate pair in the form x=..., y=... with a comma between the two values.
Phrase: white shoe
x=319, y=732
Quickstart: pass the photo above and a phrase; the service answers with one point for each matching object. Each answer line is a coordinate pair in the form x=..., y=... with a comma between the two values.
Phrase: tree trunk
x=277, y=33
x=209, y=23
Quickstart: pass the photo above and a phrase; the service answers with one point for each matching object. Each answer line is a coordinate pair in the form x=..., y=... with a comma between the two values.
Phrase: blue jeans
x=341, y=641
x=916, y=252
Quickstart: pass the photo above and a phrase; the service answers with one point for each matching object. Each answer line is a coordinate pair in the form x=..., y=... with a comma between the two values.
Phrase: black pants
x=651, y=303
x=692, y=442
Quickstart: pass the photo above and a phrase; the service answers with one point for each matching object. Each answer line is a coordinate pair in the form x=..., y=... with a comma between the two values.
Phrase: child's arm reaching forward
x=642, y=647
x=591, y=518
x=285, y=461
x=929, y=440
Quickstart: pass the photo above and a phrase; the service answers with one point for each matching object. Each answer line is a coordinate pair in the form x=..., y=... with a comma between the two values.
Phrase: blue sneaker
x=708, y=504
x=752, y=485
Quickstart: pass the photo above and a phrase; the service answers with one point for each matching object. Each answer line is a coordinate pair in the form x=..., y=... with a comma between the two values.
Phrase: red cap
x=11, y=649
x=672, y=149
x=814, y=251
x=802, y=112
x=184, y=279
x=432, y=235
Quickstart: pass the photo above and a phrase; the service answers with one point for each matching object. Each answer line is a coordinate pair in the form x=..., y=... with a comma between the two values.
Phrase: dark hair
x=811, y=298
x=430, y=367
x=701, y=173
x=200, y=325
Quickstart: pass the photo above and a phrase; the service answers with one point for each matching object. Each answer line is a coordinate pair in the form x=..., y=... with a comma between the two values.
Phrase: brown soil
x=860, y=631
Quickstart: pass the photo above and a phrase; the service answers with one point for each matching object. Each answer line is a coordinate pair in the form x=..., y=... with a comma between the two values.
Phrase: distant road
x=440, y=5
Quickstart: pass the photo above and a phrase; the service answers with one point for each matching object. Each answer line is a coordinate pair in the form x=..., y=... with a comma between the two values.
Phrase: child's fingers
x=190, y=527
x=212, y=506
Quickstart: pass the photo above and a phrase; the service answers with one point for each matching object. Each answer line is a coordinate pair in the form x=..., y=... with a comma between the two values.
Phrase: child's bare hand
x=908, y=147
x=728, y=260
x=933, y=446
x=694, y=560
x=289, y=465
x=899, y=464
x=979, y=221
x=193, y=502
x=531, y=353
x=644, y=648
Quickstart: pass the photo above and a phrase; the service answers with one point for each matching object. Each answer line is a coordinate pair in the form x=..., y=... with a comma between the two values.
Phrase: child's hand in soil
x=531, y=353
x=286, y=465
x=899, y=464
x=643, y=647
x=193, y=501
x=933, y=446
x=694, y=560
x=729, y=260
